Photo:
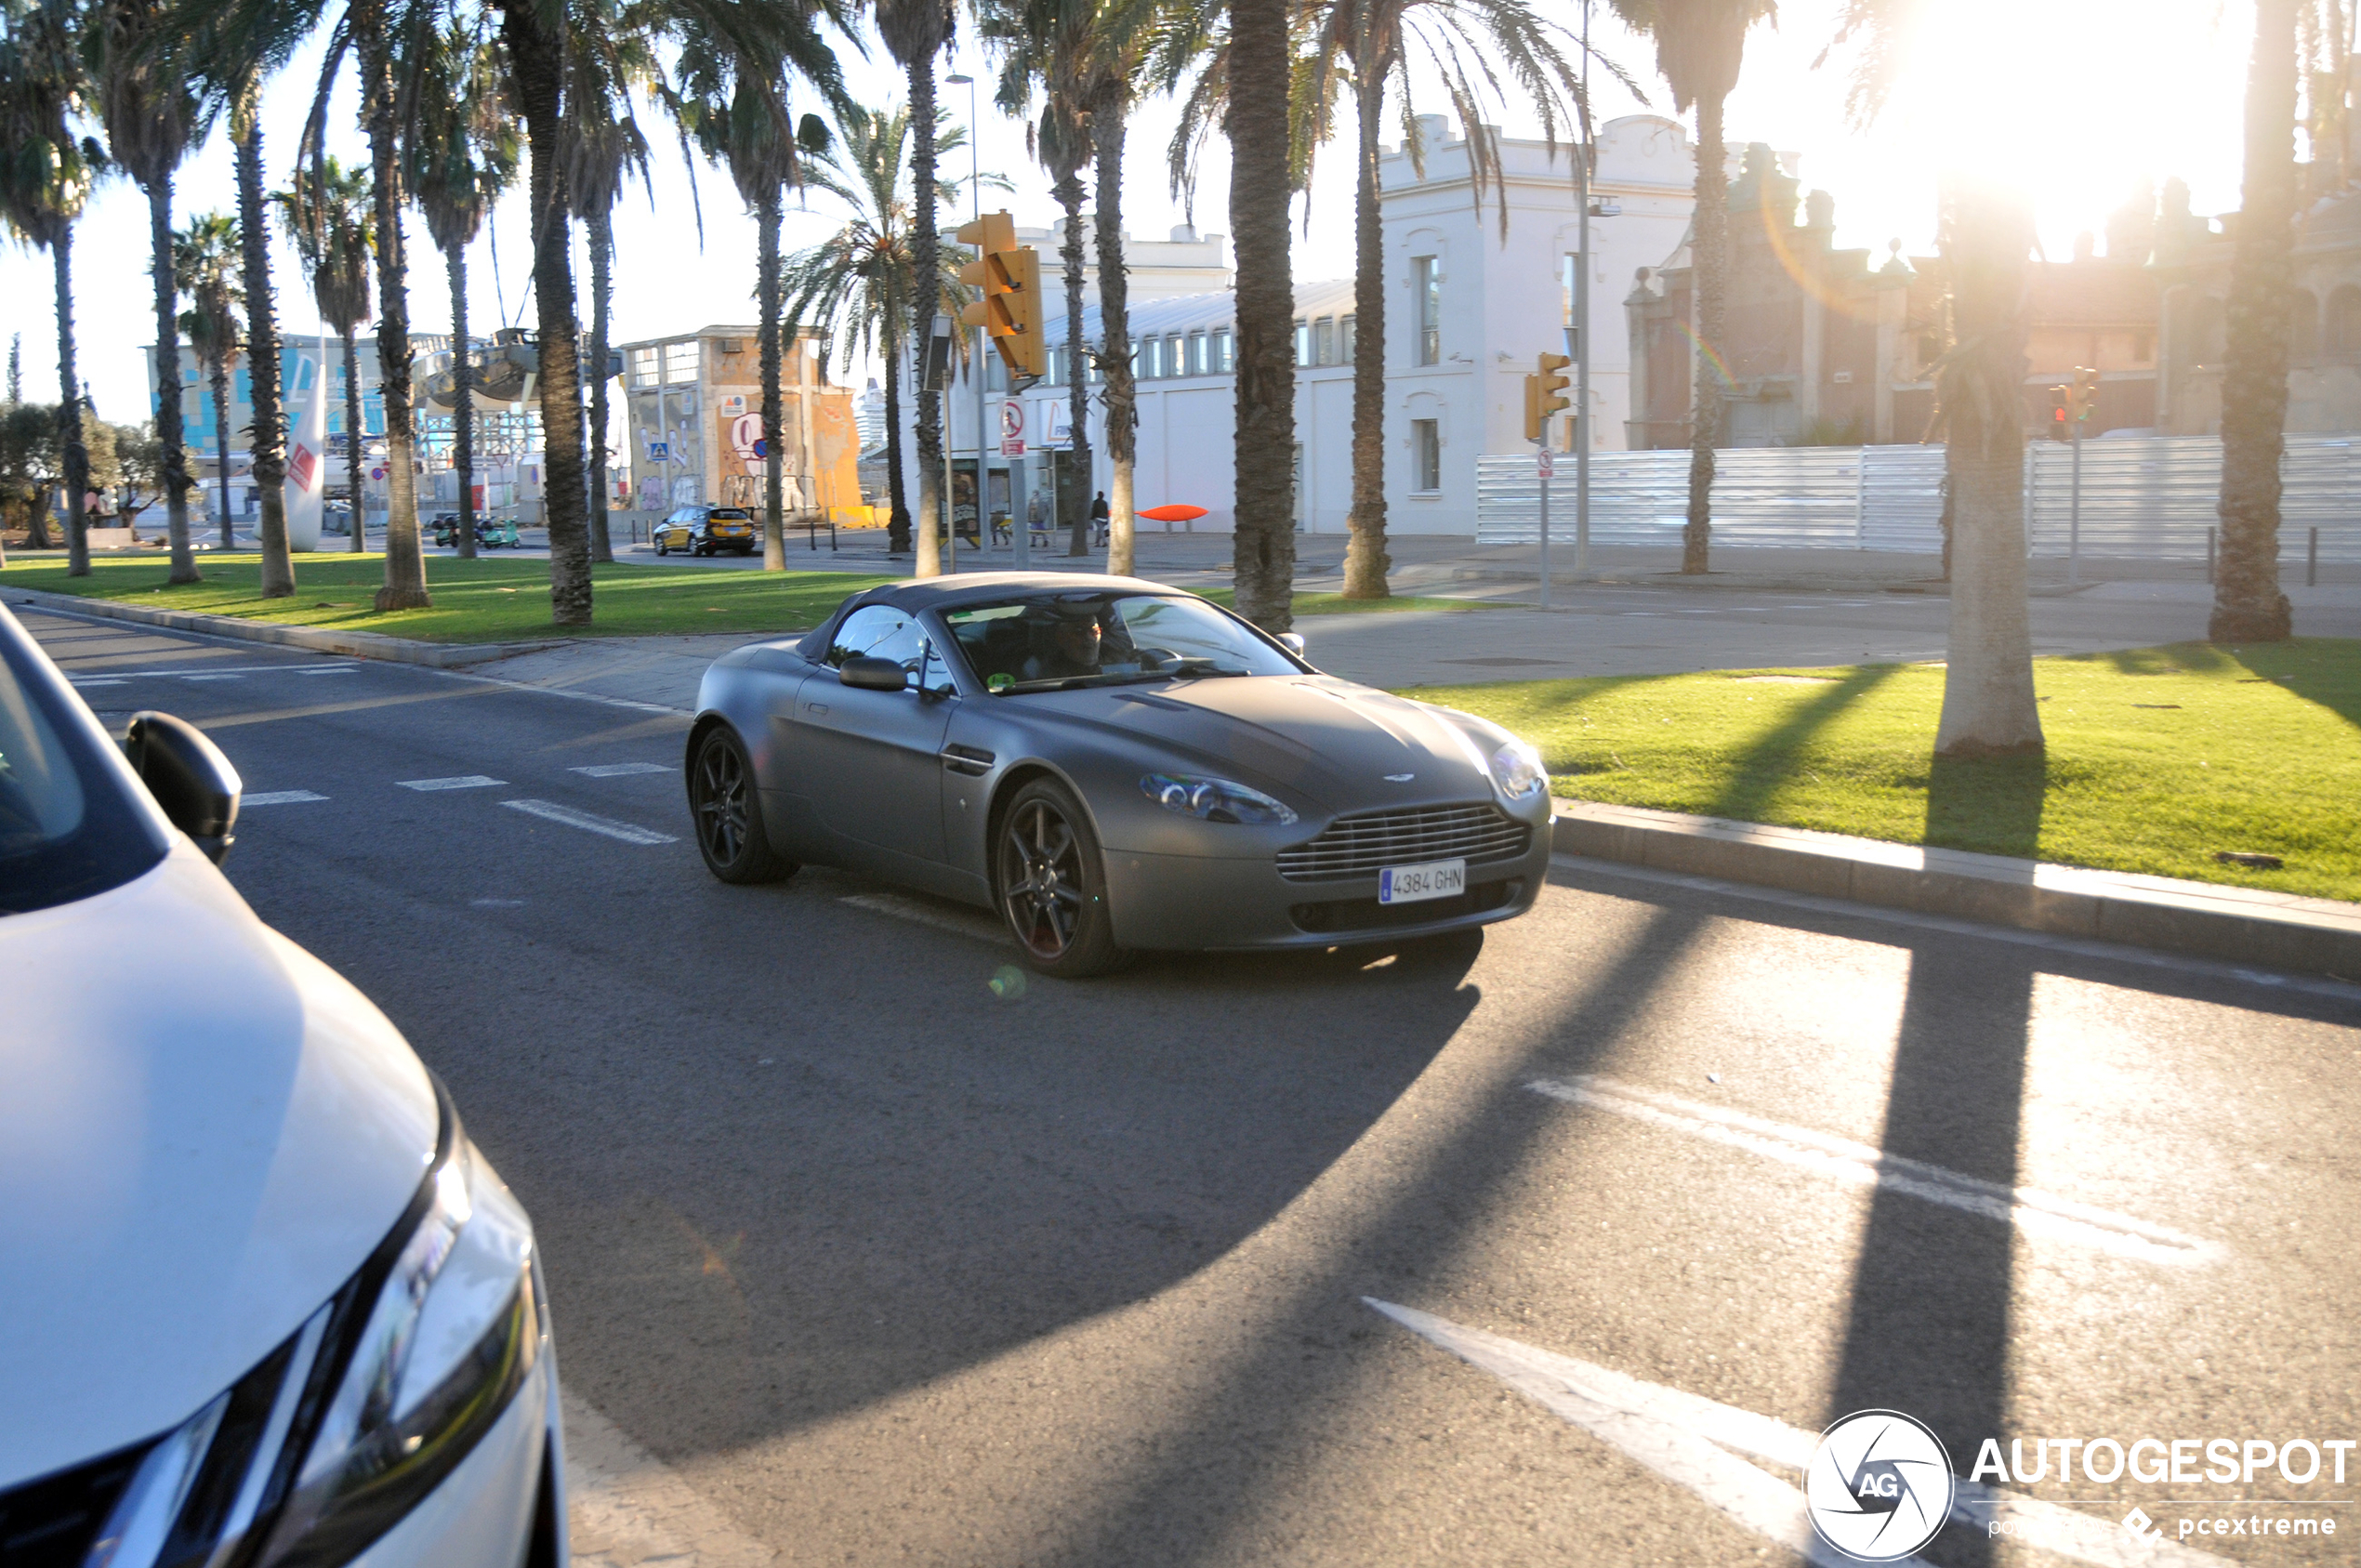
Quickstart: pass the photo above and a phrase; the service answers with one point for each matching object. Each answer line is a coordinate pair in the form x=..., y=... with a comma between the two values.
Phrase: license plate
x=1435, y=880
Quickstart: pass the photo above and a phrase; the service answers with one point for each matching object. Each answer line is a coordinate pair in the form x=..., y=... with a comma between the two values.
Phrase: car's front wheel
x=728, y=812
x=1050, y=880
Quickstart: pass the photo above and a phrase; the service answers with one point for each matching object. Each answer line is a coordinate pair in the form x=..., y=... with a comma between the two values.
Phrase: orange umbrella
x=1173, y=514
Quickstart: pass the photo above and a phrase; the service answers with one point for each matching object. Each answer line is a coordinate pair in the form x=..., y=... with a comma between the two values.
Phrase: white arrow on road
x=1696, y=1443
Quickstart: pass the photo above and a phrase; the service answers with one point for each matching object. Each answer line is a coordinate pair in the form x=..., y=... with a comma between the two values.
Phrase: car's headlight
x=348, y=1425
x=1215, y=800
x=1516, y=768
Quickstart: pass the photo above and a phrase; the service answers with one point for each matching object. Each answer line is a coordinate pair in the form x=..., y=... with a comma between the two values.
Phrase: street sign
x=1548, y=462
x=1012, y=428
x=659, y=452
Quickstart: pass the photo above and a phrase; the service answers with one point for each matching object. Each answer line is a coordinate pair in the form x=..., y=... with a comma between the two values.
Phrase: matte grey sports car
x=1114, y=766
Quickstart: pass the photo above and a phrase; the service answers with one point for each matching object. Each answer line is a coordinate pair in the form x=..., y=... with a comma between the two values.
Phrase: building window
x=1221, y=364
x=1302, y=343
x=643, y=367
x=1426, y=454
x=1175, y=352
x=1346, y=339
x=1425, y=305
x=1323, y=340
x=1197, y=353
x=679, y=362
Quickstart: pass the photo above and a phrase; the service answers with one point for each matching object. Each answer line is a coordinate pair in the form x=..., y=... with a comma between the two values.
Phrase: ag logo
x=1879, y=1486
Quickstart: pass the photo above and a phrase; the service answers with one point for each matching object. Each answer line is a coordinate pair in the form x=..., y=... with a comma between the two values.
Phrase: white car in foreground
x=261, y=1302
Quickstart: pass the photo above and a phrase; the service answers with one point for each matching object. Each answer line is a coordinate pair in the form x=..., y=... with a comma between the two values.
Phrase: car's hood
x=1344, y=746
x=203, y=1133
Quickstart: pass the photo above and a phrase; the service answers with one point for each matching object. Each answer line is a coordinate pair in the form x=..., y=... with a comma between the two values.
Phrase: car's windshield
x=66, y=829
x=1045, y=641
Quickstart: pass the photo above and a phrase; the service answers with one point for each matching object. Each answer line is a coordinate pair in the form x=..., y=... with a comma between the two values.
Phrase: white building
x=1468, y=311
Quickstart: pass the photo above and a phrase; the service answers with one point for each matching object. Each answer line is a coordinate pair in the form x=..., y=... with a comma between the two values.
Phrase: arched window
x=2343, y=332
x=2304, y=326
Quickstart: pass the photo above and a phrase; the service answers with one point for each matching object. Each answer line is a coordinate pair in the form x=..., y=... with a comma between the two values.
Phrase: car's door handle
x=815, y=708
x=970, y=761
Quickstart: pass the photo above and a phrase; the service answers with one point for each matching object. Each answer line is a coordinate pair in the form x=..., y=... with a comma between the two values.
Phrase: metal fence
x=2148, y=498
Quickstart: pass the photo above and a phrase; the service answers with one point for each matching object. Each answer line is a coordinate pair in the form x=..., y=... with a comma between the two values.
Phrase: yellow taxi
x=705, y=530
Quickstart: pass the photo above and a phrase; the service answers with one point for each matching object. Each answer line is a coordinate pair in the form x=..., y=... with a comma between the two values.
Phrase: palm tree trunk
x=536, y=64
x=925, y=269
x=602, y=228
x=1365, y=562
x=1260, y=193
x=1708, y=271
x=405, y=584
x=77, y=456
x=36, y=535
x=353, y=434
x=268, y=445
x=217, y=377
x=774, y=527
x=2248, y=603
x=1074, y=494
x=1988, y=709
x=898, y=504
x=1115, y=324
x=463, y=404
x=168, y=432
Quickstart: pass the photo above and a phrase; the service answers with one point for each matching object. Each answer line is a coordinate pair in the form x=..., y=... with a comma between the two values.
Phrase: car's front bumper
x=1189, y=902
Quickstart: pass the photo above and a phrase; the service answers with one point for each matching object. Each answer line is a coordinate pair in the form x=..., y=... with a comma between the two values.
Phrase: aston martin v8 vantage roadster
x=1112, y=766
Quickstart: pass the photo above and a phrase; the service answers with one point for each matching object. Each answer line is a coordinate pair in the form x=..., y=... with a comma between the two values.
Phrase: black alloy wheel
x=1052, y=886
x=728, y=815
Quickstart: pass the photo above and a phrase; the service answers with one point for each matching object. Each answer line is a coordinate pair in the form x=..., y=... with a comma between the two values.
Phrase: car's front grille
x=1361, y=846
x=50, y=1523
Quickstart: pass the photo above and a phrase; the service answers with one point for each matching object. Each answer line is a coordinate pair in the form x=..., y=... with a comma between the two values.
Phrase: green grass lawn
x=2158, y=757
x=1337, y=604
x=491, y=598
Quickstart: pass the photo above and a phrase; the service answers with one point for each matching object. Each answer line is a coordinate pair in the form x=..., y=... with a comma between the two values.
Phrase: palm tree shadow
x=1991, y=804
x=1766, y=765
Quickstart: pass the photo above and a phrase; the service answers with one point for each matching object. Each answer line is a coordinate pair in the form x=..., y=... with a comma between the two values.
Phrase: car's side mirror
x=189, y=776
x=874, y=675
x=1292, y=642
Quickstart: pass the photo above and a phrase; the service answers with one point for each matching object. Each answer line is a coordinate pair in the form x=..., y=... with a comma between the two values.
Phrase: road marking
x=618, y=769
x=466, y=781
x=279, y=797
x=221, y=675
x=225, y=669
x=2343, y=990
x=625, y=1507
x=550, y=810
x=87, y=680
x=1694, y=1442
x=2028, y=1208
x=959, y=922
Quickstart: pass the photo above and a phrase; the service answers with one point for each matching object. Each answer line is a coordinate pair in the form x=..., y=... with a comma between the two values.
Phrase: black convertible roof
x=949, y=593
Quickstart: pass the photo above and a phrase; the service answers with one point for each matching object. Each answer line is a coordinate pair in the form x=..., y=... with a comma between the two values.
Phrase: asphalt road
x=892, y=1266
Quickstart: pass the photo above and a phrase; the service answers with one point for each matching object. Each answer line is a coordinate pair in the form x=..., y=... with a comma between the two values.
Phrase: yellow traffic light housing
x=1544, y=394
x=1007, y=278
x=2082, y=394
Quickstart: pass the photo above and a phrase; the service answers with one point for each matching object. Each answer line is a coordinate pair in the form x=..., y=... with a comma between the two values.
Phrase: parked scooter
x=492, y=533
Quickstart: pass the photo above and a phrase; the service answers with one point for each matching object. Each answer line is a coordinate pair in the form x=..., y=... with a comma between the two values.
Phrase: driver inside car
x=1066, y=648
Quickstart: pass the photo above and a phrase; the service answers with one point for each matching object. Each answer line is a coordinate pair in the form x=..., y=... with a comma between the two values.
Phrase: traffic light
x=2084, y=392
x=1544, y=394
x=2059, y=398
x=1008, y=278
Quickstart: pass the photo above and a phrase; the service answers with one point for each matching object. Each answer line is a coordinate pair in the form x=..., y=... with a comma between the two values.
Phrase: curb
x=2237, y=925
x=1929, y=587
x=316, y=639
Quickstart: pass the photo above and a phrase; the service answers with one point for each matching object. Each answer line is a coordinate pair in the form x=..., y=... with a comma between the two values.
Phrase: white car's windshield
x=66, y=830
x=1045, y=641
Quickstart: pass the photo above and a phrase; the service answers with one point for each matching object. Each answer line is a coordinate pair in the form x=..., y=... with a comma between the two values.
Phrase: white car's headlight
x=1215, y=800
x=349, y=1424
x=1516, y=768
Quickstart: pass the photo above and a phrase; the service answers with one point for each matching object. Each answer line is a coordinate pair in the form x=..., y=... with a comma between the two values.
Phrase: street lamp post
x=983, y=341
x=1582, y=321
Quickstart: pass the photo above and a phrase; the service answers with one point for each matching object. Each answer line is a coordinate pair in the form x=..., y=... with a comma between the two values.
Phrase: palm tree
x=1034, y=38
x=204, y=261
x=328, y=213
x=462, y=155
x=533, y=35
x=858, y=285
x=603, y=143
x=267, y=445
x=914, y=32
x=153, y=116
x=1985, y=233
x=2248, y=603
x=1699, y=47
x=46, y=176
